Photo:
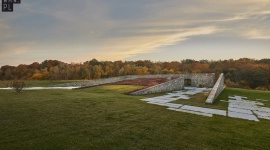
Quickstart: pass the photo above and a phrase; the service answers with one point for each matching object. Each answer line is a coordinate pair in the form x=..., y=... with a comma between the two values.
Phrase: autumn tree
x=37, y=76
x=245, y=72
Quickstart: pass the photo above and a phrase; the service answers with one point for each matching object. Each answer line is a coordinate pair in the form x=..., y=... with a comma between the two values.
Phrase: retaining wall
x=197, y=79
x=176, y=84
x=91, y=82
x=200, y=79
x=217, y=89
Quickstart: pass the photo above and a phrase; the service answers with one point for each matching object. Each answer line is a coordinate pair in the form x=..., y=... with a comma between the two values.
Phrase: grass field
x=104, y=118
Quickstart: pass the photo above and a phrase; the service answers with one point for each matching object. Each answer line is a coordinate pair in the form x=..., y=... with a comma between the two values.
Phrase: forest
x=242, y=73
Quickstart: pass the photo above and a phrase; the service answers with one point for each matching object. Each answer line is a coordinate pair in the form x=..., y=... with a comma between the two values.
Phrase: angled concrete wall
x=176, y=84
x=197, y=79
x=217, y=89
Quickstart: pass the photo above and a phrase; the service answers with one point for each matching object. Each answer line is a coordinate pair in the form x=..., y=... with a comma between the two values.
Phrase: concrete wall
x=197, y=79
x=176, y=84
x=217, y=89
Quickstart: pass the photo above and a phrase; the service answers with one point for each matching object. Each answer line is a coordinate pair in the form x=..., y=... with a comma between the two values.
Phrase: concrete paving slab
x=189, y=88
x=204, y=110
x=264, y=109
x=263, y=115
x=224, y=101
x=191, y=112
x=148, y=99
x=169, y=99
x=245, y=102
x=242, y=116
x=242, y=97
x=244, y=107
x=262, y=100
x=237, y=97
x=238, y=110
x=239, y=107
x=160, y=101
x=171, y=105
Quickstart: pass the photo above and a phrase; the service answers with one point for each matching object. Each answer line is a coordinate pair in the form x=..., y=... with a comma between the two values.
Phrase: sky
x=157, y=30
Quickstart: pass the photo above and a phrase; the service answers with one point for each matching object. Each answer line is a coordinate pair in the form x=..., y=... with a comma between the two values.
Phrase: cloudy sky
x=158, y=30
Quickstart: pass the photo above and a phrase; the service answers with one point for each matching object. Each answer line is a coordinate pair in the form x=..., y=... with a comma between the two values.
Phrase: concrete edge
x=217, y=89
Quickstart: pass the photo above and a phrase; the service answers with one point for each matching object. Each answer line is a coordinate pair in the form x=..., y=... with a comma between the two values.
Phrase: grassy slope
x=104, y=118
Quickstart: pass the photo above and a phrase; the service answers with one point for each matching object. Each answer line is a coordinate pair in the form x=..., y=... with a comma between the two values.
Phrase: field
x=103, y=117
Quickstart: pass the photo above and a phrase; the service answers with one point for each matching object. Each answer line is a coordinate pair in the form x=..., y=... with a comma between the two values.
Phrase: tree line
x=241, y=73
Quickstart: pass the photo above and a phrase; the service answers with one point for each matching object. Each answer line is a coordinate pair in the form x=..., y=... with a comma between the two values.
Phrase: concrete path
x=238, y=106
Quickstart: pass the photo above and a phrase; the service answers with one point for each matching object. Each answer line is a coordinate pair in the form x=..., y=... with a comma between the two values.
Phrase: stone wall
x=90, y=83
x=217, y=89
x=197, y=79
x=200, y=79
x=176, y=84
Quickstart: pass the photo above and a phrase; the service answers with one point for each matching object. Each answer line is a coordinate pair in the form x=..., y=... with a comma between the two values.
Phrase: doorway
x=187, y=82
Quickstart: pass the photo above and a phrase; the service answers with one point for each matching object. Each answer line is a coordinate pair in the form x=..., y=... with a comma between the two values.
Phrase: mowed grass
x=104, y=117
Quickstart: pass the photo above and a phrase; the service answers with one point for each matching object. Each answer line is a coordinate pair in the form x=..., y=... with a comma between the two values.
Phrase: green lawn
x=104, y=117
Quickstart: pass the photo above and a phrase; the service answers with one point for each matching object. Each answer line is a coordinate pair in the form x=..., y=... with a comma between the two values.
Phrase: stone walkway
x=238, y=107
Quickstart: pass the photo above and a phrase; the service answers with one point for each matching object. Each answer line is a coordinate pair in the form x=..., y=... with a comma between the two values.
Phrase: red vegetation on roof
x=142, y=81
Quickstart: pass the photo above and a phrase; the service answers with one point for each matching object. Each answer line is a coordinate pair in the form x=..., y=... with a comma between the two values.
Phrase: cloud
x=120, y=29
x=182, y=23
x=14, y=48
x=257, y=34
x=6, y=30
x=13, y=53
x=129, y=46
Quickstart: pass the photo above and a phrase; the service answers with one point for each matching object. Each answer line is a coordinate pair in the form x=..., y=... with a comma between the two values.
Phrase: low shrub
x=17, y=85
